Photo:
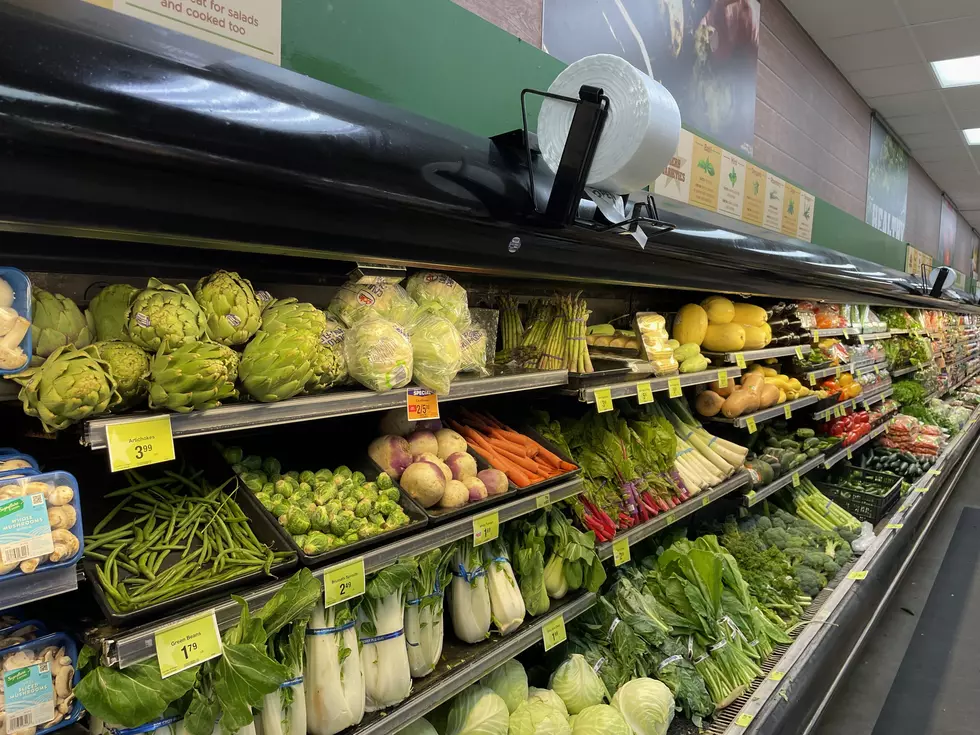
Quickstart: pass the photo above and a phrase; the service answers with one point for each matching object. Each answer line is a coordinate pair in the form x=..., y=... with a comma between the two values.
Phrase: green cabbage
x=436, y=351
x=510, y=682
x=577, y=684
x=548, y=697
x=600, y=719
x=420, y=727
x=442, y=292
x=537, y=718
x=379, y=354
x=647, y=706
x=478, y=711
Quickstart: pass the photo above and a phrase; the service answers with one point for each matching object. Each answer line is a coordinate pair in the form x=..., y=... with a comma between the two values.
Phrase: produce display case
x=881, y=493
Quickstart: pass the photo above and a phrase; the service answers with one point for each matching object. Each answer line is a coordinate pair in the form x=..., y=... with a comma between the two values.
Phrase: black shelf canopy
x=134, y=139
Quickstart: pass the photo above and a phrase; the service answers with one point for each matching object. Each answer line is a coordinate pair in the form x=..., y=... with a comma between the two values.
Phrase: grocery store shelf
x=905, y=370
x=818, y=334
x=840, y=454
x=879, y=394
x=40, y=585
x=136, y=644
x=660, y=522
x=732, y=357
x=898, y=331
x=837, y=370
x=871, y=337
x=757, y=496
x=766, y=414
x=813, y=375
x=868, y=367
x=235, y=417
x=463, y=665
x=657, y=385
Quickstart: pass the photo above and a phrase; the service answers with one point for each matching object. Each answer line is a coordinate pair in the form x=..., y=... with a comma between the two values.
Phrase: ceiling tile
x=893, y=80
x=963, y=102
x=940, y=154
x=872, y=50
x=927, y=11
x=834, y=18
x=914, y=103
x=949, y=39
x=925, y=122
x=917, y=141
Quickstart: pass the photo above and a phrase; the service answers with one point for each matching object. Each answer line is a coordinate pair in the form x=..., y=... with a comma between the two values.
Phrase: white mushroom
x=62, y=681
x=61, y=495
x=62, y=516
x=66, y=544
x=18, y=660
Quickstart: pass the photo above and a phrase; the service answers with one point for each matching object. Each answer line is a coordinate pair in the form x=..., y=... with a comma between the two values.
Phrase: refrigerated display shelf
x=748, y=355
x=240, y=416
x=871, y=337
x=842, y=453
x=837, y=370
x=136, y=644
x=894, y=332
x=905, y=370
x=879, y=394
x=757, y=496
x=768, y=413
x=462, y=665
x=657, y=385
x=662, y=521
x=819, y=334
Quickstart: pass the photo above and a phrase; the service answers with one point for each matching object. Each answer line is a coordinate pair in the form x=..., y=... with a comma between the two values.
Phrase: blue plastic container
x=40, y=628
x=21, y=285
x=32, y=470
x=71, y=649
x=51, y=478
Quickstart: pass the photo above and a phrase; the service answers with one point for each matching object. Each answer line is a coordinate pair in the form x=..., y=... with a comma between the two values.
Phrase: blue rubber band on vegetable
x=330, y=631
x=470, y=576
x=379, y=638
x=291, y=683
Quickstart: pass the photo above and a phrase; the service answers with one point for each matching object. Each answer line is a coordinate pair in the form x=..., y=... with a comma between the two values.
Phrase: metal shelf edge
x=732, y=357
x=757, y=496
x=657, y=385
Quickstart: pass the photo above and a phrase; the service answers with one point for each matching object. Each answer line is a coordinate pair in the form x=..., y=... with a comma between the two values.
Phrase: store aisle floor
x=920, y=672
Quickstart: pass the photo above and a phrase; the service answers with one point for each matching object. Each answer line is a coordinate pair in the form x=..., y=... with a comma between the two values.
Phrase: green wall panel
x=838, y=230
x=428, y=56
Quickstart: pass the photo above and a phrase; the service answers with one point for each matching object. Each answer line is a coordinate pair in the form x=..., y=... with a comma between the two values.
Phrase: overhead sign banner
x=888, y=183
x=707, y=176
x=915, y=259
x=252, y=27
x=704, y=52
x=947, y=232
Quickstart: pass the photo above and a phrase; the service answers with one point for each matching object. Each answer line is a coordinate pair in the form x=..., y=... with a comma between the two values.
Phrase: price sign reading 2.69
x=187, y=644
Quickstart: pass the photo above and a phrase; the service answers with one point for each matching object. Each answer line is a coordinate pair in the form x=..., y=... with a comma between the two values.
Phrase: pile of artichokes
x=170, y=348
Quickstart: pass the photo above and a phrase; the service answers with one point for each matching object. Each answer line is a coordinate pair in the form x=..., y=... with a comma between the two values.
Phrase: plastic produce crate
x=865, y=506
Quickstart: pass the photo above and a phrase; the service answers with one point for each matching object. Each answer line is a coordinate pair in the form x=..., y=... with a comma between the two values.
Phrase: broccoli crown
x=844, y=554
x=763, y=523
x=795, y=554
x=776, y=537
x=778, y=523
x=850, y=535
x=816, y=559
x=796, y=541
x=831, y=568
x=811, y=582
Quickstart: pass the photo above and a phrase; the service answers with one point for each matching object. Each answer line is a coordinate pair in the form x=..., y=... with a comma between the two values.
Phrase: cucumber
x=811, y=443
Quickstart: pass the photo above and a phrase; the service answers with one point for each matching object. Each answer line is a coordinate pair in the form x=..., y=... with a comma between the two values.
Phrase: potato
x=462, y=465
x=448, y=442
x=455, y=495
x=424, y=483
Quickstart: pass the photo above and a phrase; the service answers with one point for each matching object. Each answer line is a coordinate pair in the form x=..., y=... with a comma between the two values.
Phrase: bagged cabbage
x=578, y=685
x=473, y=346
x=509, y=681
x=379, y=354
x=441, y=292
x=647, y=706
x=477, y=711
x=355, y=302
x=436, y=351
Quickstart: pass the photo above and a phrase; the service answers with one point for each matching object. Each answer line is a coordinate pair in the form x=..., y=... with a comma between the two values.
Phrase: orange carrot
x=517, y=449
x=522, y=462
x=528, y=447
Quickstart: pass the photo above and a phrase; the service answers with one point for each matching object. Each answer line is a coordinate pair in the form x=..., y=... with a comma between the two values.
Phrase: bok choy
x=333, y=678
x=469, y=596
x=506, y=604
x=381, y=633
x=424, y=611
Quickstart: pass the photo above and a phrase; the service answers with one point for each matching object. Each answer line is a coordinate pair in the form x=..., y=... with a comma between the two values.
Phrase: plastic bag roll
x=641, y=130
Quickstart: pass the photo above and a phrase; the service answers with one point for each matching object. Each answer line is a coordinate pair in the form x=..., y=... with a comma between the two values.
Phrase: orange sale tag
x=422, y=404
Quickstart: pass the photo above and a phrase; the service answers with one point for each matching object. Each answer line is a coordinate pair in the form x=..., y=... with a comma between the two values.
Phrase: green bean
x=133, y=488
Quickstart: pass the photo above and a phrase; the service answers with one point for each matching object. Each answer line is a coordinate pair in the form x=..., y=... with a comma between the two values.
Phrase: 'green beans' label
x=187, y=644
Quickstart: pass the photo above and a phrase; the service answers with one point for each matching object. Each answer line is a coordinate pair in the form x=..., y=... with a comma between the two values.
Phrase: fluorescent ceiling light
x=972, y=136
x=958, y=72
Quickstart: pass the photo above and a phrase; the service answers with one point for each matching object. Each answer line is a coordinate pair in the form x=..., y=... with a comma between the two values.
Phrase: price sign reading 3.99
x=139, y=443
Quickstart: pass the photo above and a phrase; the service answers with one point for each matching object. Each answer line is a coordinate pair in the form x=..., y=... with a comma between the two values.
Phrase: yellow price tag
x=837, y=371
x=705, y=500
x=826, y=464
x=139, y=443
x=486, y=528
x=866, y=405
x=850, y=454
x=816, y=335
x=799, y=352
x=777, y=675
x=722, y=378
x=188, y=643
x=740, y=360
x=743, y=720
x=796, y=479
x=750, y=425
x=543, y=500
x=920, y=489
x=553, y=632
x=934, y=472
x=877, y=371
x=603, y=400
x=621, y=551
x=674, y=388
x=423, y=404
x=895, y=526
x=343, y=582
x=788, y=411
x=813, y=378
x=863, y=574
x=644, y=393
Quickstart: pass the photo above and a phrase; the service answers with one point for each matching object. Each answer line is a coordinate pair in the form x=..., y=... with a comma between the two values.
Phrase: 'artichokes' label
x=233, y=320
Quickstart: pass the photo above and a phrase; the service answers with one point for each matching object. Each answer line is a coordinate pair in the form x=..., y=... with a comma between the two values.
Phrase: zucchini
x=798, y=460
x=812, y=452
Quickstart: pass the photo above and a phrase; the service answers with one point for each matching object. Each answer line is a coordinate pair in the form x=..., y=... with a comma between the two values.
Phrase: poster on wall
x=947, y=233
x=915, y=259
x=888, y=183
x=703, y=51
x=252, y=27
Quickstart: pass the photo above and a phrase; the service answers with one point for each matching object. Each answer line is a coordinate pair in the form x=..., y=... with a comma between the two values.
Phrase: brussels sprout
x=348, y=503
x=295, y=521
x=385, y=507
x=285, y=489
x=233, y=455
x=368, y=492
x=327, y=489
x=384, y=481
x=363, y=508
x=334, y=506
x=393, y=494
x=252, y=462
x=271, y=466
x=305, y=487
x=358, y=523
x=239, y=469
x=398, y=519
x=316, y=543
x=307, y=477
x=343, y=472
x=293, y=474
x=323, y=476
x=339, y=526
x=348, y=514
x=332, y=541
x=254, y=484
x=368, y=531
x=299, y=540
x=310, y=508
x=358, y=478
x=280, y=509
x=352, y=538
x=269, y=488
x=376, y=519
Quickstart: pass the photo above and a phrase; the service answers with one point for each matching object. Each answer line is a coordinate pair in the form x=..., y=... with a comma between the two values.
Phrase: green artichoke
x=57, y=322
x=109, y=311
x=230, y=358
x=165, y=316
x=293, y=314
x=70, y=386
x=192, y=377
x=329, y=363
x=129, y=366
x=232, y=311
x=277, y=366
